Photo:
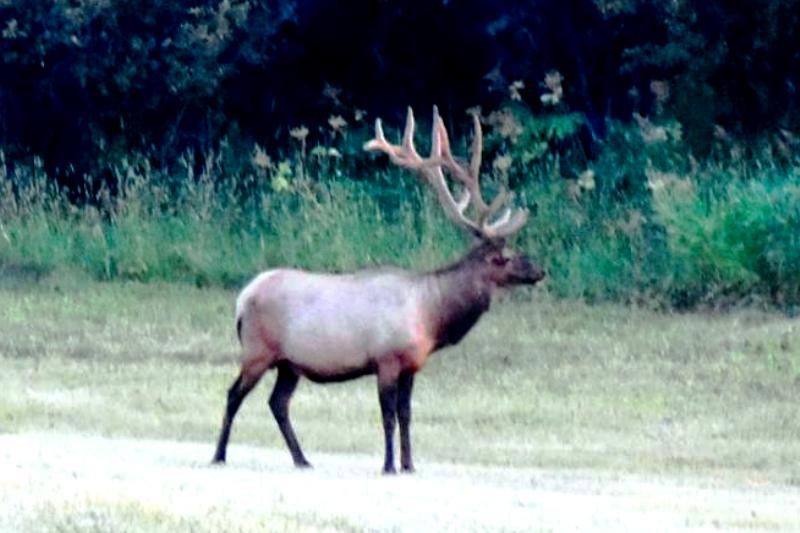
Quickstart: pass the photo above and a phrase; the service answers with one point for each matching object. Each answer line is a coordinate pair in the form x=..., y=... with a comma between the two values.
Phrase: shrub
x=741, y=240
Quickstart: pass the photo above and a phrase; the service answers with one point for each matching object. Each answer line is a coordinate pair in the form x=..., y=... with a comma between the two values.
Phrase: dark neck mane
x=456, y=298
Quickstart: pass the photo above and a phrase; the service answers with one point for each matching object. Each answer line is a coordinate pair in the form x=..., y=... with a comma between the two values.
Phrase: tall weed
x=643, y=222
x=739, y=240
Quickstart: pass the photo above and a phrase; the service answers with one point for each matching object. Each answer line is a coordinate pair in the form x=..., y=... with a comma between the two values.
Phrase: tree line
x=84, y=82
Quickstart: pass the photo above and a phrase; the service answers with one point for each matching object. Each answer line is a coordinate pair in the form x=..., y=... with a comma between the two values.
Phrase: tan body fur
x=329, y=325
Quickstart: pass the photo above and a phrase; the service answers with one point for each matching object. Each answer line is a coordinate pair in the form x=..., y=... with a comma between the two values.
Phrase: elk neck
x=454, y=298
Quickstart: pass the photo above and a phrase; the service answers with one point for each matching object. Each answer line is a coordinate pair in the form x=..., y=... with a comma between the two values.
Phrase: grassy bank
x=541, y=382
x=710, y=236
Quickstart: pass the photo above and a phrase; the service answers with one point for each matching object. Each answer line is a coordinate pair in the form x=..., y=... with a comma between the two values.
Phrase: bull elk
x=332, y=327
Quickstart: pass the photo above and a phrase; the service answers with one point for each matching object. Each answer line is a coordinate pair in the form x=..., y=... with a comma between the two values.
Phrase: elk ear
x=499, y=260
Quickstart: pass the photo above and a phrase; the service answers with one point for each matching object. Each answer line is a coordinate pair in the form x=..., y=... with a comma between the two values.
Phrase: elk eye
x=499, y=260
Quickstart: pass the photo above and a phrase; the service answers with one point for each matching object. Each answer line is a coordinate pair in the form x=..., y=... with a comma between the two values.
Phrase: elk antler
x=431, y=168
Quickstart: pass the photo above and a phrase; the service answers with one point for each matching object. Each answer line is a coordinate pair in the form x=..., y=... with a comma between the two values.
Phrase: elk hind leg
x=285, y=385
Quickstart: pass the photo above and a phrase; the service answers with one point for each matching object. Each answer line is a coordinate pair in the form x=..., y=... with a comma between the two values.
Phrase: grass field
x=540, y=383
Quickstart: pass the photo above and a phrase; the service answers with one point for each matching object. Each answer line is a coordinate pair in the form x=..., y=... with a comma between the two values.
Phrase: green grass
x=540, y=382
x=202, y=234
x=703, y=236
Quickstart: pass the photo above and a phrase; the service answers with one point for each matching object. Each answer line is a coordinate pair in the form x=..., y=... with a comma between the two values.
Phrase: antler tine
x=507, y=224
x=440, y=144
x=408, y=133
x=379, y=141
x=437, y=140
x=379, y=136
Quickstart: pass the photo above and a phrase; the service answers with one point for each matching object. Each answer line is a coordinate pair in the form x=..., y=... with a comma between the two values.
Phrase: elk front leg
x=236, y=395
x=387, y=394
x=285, y=385
x=388, y=377
x=404, y=387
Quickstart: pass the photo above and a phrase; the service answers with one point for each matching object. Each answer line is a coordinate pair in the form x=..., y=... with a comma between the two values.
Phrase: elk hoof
x=302, y=464
x=389, y=471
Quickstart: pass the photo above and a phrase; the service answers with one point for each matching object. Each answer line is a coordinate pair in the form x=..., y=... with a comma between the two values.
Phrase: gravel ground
x=53, y=471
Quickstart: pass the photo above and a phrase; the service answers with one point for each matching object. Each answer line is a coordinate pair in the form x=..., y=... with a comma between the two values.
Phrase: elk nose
x=530, y=272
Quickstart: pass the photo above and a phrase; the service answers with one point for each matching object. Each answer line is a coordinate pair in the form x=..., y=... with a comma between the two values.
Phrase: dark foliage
x=84, y=82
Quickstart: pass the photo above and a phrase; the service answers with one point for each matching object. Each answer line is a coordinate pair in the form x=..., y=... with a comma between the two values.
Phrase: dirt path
x=37, y=469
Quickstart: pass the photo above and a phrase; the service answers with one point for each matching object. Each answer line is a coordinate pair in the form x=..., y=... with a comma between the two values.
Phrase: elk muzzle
x=522, y=271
